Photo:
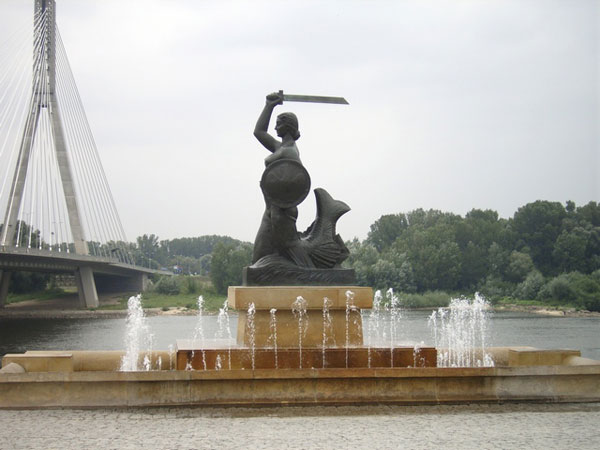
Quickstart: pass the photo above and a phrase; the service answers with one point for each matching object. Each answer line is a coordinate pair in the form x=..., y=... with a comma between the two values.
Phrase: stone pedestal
x=344, y=325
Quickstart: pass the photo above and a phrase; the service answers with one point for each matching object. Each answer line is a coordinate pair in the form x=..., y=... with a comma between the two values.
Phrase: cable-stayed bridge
x=59, y=214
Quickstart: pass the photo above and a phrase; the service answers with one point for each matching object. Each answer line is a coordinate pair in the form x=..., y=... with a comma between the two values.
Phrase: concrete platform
x=300, y=387
x=344, y=314
x=93, y=382
x=282, y=297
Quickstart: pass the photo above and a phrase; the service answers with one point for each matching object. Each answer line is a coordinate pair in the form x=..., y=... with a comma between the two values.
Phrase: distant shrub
x=530, y=287
x=191, y=286
x=167, y=285
x=581, y=290
x=25, y=282
x=494, y=288
x=429, y=299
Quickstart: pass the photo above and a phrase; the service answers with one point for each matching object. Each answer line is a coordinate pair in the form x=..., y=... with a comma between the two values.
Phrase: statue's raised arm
x=286, y=128
x=262, y=124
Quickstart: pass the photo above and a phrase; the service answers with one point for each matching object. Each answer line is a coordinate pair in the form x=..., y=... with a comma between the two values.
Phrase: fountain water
x=199, y=330
x=418, y=360
x=457, y=331
x=395, y=315
x=299, y=311
x=137, y=337
x=172, y=354
x=374, y=334
x=327, y=328
x=273, y=337
x=224, y=331
x=251, y=329
x=460, y=333
x=350, y=307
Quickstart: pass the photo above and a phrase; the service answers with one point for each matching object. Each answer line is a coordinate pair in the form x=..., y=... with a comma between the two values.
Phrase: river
x=505, y=329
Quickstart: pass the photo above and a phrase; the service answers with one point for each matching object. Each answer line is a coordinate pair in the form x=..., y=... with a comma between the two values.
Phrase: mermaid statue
x=282, y=255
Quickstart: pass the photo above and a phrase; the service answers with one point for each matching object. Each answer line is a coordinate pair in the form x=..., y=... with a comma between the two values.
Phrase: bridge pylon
x=44, y=96
x=60, y=216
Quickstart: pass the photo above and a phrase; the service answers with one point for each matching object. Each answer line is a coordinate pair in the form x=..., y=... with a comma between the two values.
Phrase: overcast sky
x=454, y=105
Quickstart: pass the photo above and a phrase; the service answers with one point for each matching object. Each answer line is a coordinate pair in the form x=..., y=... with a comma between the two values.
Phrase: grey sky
x=453, y=105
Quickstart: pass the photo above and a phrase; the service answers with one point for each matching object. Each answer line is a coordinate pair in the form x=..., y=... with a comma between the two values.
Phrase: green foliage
x=574, y=288
x=531, y=286
x=212, y=301
x=188, y=256
x=530, y=256
x=28, y=282
x=48, y=294
x=429, y=299
x=434, y=256
x=391, y=269
x=571, y=249
x=519, y=265
x=538, y=224
x=228, y=260
x=191, y=285
x=386, y=230
x=495, y=288
x=167, y=285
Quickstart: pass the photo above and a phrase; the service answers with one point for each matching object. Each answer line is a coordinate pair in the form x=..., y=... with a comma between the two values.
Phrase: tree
x=570, y=250
x=363, y=257
x=148, y=245
x=23, y=282
x=530, y=287
x=433, y=254
x=589, y=213
x=228, y=261
x=386, y=230
x=474, y=266
x=519, y=266
x=538, y=225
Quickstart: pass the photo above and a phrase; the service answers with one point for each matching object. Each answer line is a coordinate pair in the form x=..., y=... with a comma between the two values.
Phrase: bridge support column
x=86, y=287
x=4, y=281
x=141, y=282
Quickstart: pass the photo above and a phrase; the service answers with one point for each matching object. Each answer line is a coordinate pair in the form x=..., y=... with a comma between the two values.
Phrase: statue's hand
x=274, y=99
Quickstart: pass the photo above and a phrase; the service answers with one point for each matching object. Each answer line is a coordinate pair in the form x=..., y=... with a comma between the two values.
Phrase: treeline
x=546, y=251
x=188, y=256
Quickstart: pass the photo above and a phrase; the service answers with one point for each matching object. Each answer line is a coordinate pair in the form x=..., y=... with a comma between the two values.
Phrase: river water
x=505, y=329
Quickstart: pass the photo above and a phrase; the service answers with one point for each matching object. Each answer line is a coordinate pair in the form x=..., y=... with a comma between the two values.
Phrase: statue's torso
x=284, y=152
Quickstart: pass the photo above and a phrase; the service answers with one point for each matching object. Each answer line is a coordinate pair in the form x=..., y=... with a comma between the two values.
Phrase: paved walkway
x=522, y=426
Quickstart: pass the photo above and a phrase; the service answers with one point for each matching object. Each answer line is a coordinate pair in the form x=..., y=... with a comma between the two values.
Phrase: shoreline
x=31, y=312
x=546, y=311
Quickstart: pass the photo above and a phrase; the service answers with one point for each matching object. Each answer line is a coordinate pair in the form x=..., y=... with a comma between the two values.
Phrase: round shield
x=285, y=183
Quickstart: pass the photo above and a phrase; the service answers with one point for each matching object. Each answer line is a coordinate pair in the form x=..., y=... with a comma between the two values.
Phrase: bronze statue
x=282, y=255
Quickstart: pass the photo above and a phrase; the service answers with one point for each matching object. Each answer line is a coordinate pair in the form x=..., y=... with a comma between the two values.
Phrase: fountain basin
x=305, y=386
x=576, y=380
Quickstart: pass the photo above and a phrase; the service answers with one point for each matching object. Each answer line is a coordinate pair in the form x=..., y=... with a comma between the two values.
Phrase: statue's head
x=287, y=123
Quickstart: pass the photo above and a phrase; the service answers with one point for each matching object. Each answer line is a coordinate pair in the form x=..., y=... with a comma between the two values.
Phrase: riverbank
x=112, y=307
x=546, y=310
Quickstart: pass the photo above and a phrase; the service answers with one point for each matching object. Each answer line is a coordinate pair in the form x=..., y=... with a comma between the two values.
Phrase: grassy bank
x=48, y=294
x=212, y=302
x=185, y=291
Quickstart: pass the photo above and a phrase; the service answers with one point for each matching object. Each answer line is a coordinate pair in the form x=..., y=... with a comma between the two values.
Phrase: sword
x=312, y=99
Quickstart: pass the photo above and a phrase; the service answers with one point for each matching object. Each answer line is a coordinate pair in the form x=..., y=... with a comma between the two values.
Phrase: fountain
x=299, y=333
x=273, y=337
x=460, y=333
x=259, y=370
x=138, y=339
